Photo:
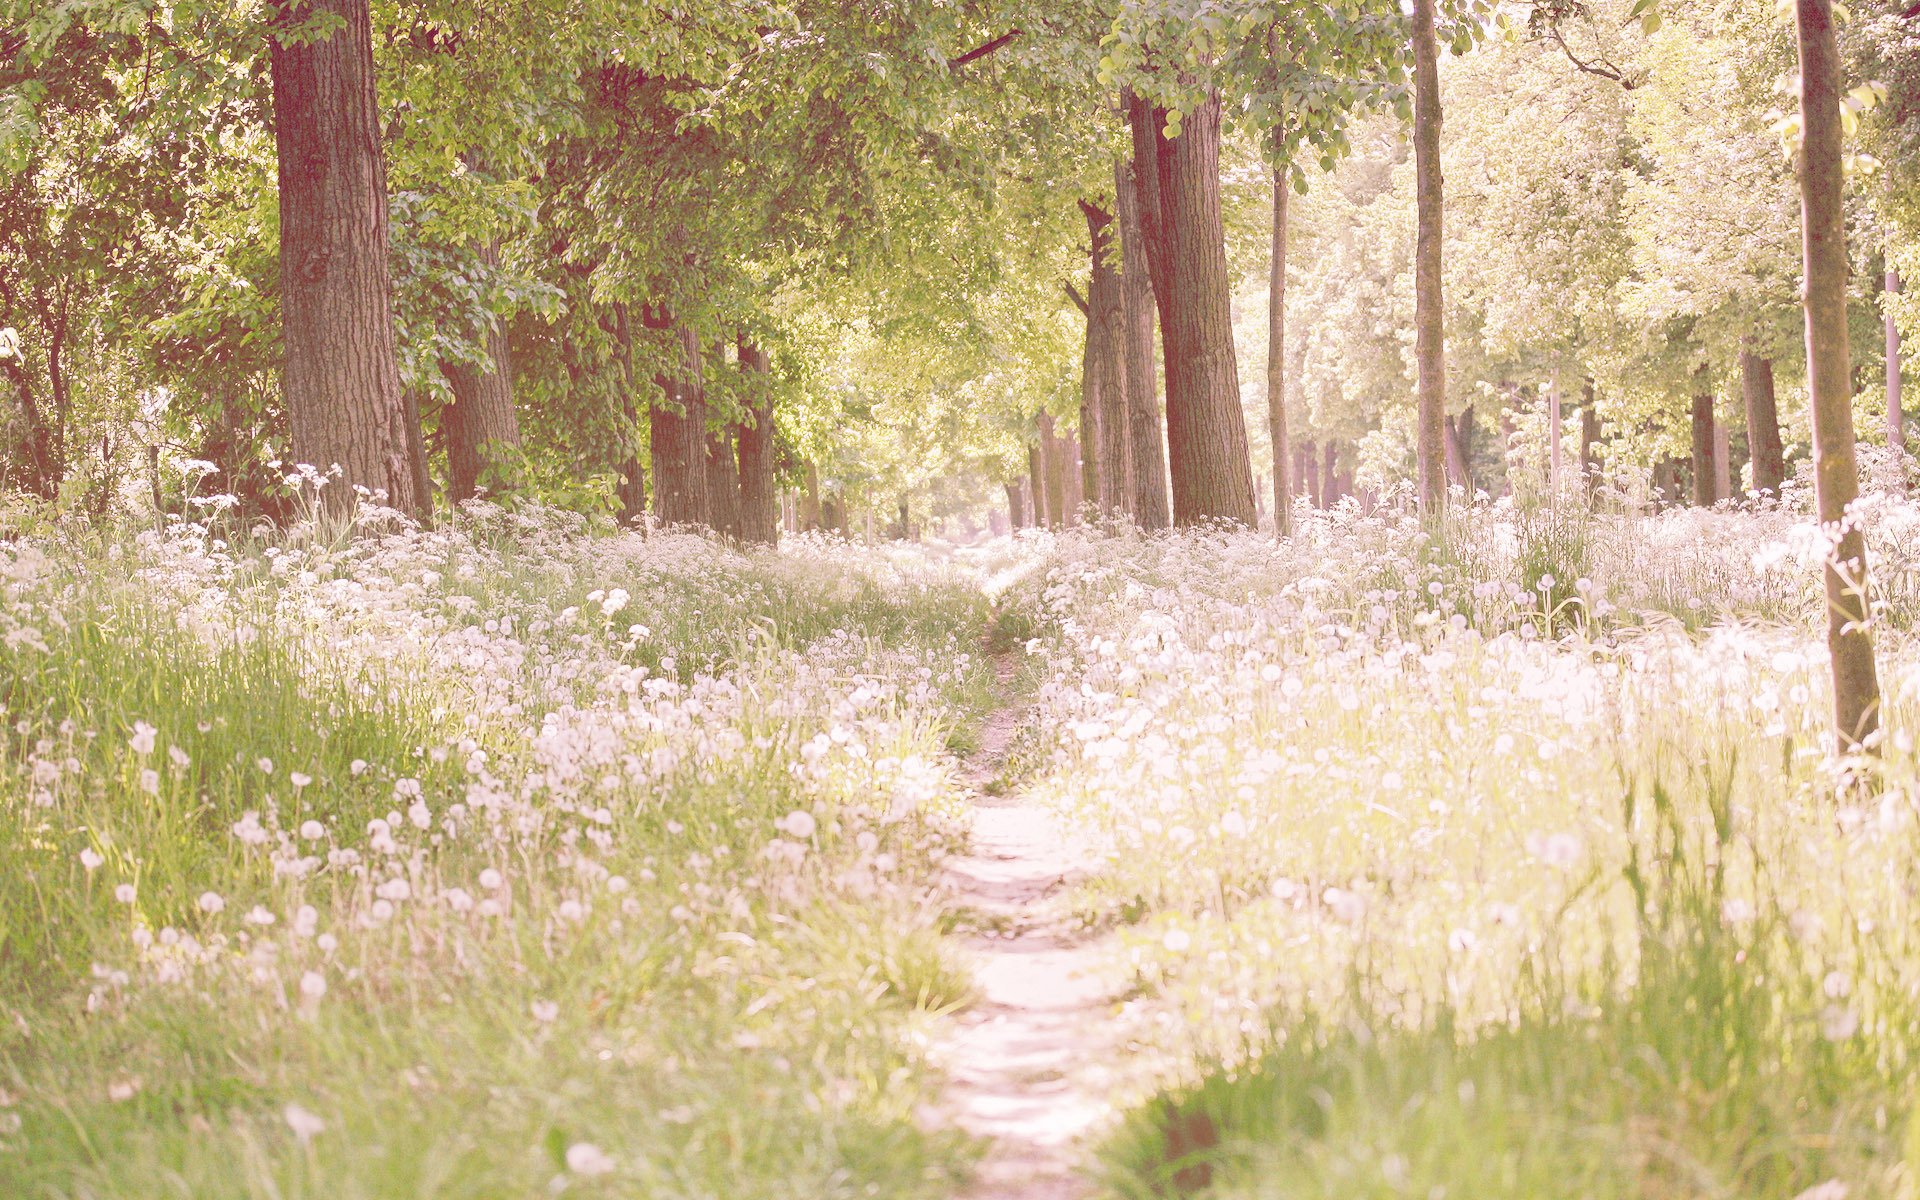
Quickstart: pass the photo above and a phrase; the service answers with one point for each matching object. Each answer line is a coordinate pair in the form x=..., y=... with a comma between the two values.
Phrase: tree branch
x=981, y=51
x=1079, y=301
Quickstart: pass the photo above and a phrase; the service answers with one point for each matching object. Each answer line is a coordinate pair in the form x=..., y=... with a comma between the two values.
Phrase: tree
x=341, y=376
x=1856, y=687
x=1146, y=443
x=1429, y=317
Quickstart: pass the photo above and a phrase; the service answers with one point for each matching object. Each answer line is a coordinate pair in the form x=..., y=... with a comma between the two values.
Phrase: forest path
x=1024, y=1062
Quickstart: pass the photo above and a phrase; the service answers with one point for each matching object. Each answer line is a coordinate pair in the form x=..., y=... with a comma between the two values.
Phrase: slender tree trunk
x=678, y=421
x=1037, y=483
x=1722, y=460
x=1590, y=438
x=481, y=426
x=1856, y=687
x=1457, y=475
x=630, y=493
x=1429, y=331
x=1016, y=507
x=1146, y=441
x=1277, y=355
x=1896, y=419
x=417, y=453
x=1556, y=425
x=1704, y=470
x=1763, y=424
x=753, y=439
x=341, y=378
x=1206, y=429
x=1330, y=476
x=1310, y=452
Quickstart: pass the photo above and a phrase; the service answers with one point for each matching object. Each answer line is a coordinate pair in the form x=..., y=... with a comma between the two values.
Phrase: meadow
x=1504, y=856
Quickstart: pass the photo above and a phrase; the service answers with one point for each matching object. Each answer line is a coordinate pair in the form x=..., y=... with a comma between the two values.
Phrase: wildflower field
x=1500, y=857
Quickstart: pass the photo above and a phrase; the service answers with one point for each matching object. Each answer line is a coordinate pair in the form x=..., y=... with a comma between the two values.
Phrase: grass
x=584, y=910
x=1428, y=880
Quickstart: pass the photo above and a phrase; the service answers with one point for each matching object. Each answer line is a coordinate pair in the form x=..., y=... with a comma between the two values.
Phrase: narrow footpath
x=1025, y=1061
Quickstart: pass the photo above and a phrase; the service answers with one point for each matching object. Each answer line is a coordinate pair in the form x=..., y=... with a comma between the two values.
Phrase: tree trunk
x=630, y=493
x=1330, y=476
x=1896, y=419
x=1146, y=443
x=753, y=439
x=1590, y=439
x=1763, y=424
x=1722, y=461
x=1856, y=687
x=1016, y=507
x=1037, y=484
x=42, y=472
x=723, y=483
x=1704, y=470
x=1206, y=429
x=1277, y=355
x=1457, y=475
x=1555, y=427
x=678, y=421
x=1053, y=472
x=481, y=423
x=1072, y=471
x=341, y=378
x=1310, y=463
x=1108, y=435
x=809, y=514
x=1429, y=333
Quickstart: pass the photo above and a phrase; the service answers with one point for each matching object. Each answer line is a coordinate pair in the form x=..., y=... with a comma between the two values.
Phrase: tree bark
x=480, y=424
x=1072, y=463
x=1590, y=439
x=1146, y=441
x=1016, y=507
x=1277, y=355
x=1108, y=439
x=1856, y=687
x=1206, y=430
x=1429, y=332
x=1763, y=424
x=753, y=439
x=678, y=428
x=809, y=515
x=1330, y=476
x=341, y=377
x=1037, y=483
x=1555, y=427
x=1053, y=472
x=1704, y=470
x=1896, y=419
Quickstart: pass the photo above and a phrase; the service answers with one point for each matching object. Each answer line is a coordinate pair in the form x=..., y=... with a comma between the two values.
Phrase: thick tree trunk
x=1206, y=430
x=1896, y=419
x=678, y=420
x=1016, y=507
x=1146, y=441
x=481, y=426
x=1704, y=470
x=1763, y=424
x=1856, y=687
x=1429, y=332
x=753, y=439
x=1277, y=356
x=341, y=378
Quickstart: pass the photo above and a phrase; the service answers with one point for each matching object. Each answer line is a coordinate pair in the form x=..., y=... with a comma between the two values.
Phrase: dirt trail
x=1024, y=1062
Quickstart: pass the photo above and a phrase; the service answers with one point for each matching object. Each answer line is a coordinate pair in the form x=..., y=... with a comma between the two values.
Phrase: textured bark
x=480, y=425
x=1836, y=474
x=1896, y=419
x=631, y=492
x=1207, y=458
x=1556, y=426
x=341, y=379
x=417, y=454
x=1146, y=439
x=1071, y=462
x=753, y=441
x=1016, y=507
x=1053, y=472
x=1277, y=358
x=1106, y=341
x=1429, y=334
x=809, y=504
x=1763, y=424
x=1037, y=484
x=1704, y=469
x=678, y=428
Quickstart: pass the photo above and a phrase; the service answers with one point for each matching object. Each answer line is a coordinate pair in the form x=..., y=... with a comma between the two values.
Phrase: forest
x=959, y=599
